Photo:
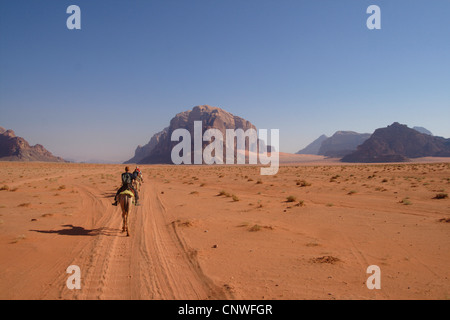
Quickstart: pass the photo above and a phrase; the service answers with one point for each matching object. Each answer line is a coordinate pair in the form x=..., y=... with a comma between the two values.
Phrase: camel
x=138, y=182
x=126, y=201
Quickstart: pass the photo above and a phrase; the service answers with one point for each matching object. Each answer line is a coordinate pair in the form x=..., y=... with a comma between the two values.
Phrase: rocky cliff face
x=13, y=148
x=158, y=150
x=144, y=151
x=397, y=143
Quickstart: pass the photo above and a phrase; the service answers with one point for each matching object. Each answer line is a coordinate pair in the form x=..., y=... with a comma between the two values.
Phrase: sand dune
x=225, y=232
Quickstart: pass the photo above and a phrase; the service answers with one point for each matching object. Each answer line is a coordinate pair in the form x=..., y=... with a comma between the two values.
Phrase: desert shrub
x=255, y=228
x=406, y=202
x=441, y=196
x=333, y=178
x=291, y=199
x=27, y=204
x=224, y=193
x=303, y=183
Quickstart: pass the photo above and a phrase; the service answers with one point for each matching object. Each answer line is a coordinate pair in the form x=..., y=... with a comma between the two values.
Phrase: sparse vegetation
x=312, y=244
x=4, y=188
x=224, y=193
x=45, y=215
x=255, y=228
x=406, y=201
x=333, y=178
x=441, y=196
x=301, y=203
x=26, y=205
x=291, y=199
x=303, y=183
x=325, y=259
x=186, y=223
x=235, y=197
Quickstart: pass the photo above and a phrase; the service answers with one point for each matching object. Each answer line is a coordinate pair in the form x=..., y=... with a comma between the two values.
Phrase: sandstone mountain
x=313, y=147
x=14, y=148
x=159, y=148
x=397, y=143
x=144, y=151
x=342, y=143
x=338, y=145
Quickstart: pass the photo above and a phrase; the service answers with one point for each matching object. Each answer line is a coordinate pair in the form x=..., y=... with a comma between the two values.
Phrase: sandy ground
x=225, y=232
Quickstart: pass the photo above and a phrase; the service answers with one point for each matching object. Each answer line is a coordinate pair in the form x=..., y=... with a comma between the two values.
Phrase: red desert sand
x=226, y=232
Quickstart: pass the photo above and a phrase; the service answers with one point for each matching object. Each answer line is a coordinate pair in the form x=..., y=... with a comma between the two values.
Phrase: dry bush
x=303, y=183
x=291, y=199
x=26, y=205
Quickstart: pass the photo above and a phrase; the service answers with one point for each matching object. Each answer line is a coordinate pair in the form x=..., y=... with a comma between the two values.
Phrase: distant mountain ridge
x=342, y=143
x=313, y=147
x=336, y=146
x=397, y=143
x=13, y=148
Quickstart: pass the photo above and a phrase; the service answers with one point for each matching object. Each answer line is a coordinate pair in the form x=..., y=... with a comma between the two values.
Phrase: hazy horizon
x=306, y=68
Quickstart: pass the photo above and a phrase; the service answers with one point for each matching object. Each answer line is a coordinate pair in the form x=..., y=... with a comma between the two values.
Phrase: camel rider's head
x=127, y=169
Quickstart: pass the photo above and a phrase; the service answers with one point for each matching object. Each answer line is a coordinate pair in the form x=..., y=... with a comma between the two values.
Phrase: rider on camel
x=127, y=184
x=137, y=172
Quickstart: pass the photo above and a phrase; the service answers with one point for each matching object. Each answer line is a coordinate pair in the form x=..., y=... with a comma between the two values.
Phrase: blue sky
x=306, y=67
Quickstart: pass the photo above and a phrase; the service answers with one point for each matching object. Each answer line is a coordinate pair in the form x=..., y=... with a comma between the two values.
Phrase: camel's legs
x=125, y=204
x=126, y=224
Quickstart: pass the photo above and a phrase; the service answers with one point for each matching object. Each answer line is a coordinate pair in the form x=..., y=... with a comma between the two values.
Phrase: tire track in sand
x=153, y=263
